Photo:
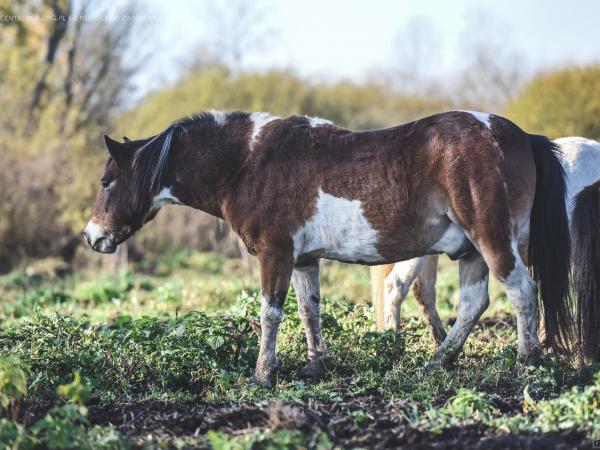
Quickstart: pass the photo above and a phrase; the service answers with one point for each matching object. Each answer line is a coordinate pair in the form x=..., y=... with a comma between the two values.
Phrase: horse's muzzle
x=98, y=240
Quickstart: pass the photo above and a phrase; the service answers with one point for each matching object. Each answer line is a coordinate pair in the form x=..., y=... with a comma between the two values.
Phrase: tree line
x=66, y=83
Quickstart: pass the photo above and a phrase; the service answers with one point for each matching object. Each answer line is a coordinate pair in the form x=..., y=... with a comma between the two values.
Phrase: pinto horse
x=580, y=158
x=298, y=189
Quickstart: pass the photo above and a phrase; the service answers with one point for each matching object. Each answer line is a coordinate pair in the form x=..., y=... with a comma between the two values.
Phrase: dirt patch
x=180, y=419
x=368, y=421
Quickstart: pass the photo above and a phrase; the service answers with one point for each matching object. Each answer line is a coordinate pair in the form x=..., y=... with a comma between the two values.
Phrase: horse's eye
x=105, y=183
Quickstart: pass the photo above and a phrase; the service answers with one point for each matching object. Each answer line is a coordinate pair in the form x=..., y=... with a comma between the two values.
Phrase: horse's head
x=130, y=183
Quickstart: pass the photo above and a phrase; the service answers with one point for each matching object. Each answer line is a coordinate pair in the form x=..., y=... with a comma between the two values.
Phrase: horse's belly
x=453, y=242
x=338, y=230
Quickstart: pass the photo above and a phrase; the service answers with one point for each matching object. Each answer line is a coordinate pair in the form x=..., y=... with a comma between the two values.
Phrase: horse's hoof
x=315, y=368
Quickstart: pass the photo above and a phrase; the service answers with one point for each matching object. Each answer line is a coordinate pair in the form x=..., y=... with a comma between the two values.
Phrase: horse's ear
x=119, y=151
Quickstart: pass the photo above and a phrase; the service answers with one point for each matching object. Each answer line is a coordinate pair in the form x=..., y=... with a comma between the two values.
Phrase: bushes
x=560, y=103
x=579, y=408
x=63, y=427
x=13, y=384
x=102, y=290
x=197, y=357
x=170, y=261
x=28, y=300
x=193, y=352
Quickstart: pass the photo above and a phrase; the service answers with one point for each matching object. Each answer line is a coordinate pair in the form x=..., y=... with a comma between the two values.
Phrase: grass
x=183, y=334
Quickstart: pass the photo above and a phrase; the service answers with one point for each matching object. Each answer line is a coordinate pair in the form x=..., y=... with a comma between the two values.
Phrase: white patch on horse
x=521, y=291
x=473, y=293
x=473, y=301
x=306, y=284
x=338, y=230
x=401, y=277
x=270, y=318
x=484, y=118
x=396, y=286
x=259, y=120
x=271, y=312
x=581, y=159
x=219, y=116
x=94, y=231
x=317, y=121
x=451, y=241
x=164, y=197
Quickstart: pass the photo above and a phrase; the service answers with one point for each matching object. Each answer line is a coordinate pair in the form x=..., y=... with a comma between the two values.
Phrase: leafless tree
x=416, y=56
x=493, y=71
x=106, y=57
x=61, y=9
x=237, y=29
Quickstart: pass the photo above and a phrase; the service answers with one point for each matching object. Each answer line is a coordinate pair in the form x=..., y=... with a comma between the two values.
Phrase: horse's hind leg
x=522, y=294
x=424, y=292
x=306, y=284
x=473, y=301
x=396, y=287
x=523, y=249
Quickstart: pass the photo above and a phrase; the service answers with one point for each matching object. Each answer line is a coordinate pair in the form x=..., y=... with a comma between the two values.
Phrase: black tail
x=549, y=244
x=585, y=229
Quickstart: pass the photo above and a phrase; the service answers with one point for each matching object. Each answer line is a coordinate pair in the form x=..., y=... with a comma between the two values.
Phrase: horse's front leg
x=275, y=273
x=305, y=280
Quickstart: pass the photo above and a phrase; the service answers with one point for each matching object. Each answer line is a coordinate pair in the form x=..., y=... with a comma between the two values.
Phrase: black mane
x=150, y=163
x=209, y=118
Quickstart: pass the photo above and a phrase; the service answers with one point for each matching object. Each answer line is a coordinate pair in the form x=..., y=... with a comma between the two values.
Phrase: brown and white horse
x=580, y=158
x=299, y=189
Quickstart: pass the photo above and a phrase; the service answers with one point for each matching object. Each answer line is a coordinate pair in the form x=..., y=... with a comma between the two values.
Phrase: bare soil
x=367, y=422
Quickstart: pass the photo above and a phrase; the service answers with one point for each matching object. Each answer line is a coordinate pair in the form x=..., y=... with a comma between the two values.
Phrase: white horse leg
x=473, y=301
x=523, y=249
x=397, y=284
x=306, y=284
x=522, y=294
x=424, y=292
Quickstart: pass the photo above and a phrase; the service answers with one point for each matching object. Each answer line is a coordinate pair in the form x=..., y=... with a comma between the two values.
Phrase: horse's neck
x=204, y=175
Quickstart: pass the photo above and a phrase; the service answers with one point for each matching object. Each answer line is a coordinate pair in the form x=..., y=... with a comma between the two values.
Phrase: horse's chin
x=109, y=250
x=106, y=246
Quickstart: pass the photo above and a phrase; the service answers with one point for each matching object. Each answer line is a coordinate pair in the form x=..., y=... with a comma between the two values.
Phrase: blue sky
x=333, y=39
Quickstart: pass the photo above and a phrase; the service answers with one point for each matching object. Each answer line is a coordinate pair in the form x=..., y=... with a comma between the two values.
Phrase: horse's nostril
x=94, y=236
x=98, y=243
x=93, y=242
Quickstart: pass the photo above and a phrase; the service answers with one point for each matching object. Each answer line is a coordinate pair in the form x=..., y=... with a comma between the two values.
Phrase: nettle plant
x=13, y=385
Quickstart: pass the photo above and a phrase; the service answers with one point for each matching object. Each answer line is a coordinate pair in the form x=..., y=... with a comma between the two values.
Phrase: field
x=162, y=356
